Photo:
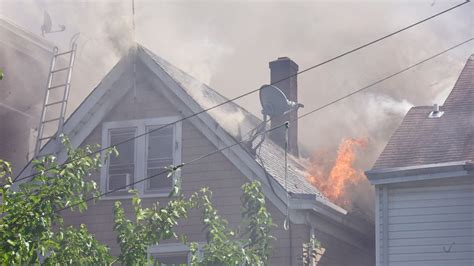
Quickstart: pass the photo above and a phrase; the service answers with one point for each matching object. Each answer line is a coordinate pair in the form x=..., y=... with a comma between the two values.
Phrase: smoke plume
x=228, y=45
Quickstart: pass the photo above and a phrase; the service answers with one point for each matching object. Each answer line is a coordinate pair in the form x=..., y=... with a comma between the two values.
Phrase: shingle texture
x=270, y=156
x=422, y=140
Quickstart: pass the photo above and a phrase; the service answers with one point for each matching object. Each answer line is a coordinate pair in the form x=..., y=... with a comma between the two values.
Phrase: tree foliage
x=32, y=230
x=31, y=226
x=151, y=226
x=248, y=245
x=224, y=246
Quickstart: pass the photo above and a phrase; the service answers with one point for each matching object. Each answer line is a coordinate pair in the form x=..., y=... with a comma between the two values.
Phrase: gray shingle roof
x=422, y=140
x=272, y=155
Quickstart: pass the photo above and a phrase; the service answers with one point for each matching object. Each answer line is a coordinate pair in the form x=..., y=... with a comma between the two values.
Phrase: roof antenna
x=47, y=26
x=286, y=223
x=134, y=66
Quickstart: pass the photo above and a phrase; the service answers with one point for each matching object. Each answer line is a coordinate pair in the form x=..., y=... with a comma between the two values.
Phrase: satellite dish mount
x=47, y=26
x=274, y=104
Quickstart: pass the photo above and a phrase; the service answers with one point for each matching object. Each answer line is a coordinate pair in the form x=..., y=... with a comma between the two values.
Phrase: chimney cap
x=283, y=60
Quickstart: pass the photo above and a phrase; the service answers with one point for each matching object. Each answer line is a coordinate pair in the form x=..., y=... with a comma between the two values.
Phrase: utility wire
x=387, y=77
x=17, y=178
x=174, y=168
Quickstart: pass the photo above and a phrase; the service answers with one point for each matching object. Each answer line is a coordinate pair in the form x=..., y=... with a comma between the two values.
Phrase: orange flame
x=333, y=181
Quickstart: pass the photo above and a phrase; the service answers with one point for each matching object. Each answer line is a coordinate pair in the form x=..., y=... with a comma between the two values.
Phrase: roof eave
x=419, y=172
x=25, y=34
x=329, y=210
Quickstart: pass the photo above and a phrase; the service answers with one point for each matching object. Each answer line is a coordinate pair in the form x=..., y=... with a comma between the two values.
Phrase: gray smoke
x=228, y=45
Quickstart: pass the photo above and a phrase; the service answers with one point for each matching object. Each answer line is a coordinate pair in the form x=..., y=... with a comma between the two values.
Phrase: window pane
x=160, y=143
x=121, y=167
x=160, y=155
x=161, y=181
x=127, y=149
x=171, y=260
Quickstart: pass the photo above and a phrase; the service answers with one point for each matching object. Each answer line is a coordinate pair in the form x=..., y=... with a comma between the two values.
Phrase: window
x=176, y=259
x=172, y=254
x=159, y=155
x=149, y=154
x=121, y=169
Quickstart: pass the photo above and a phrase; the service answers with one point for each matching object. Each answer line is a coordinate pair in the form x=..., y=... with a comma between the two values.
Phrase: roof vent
x=436, y=112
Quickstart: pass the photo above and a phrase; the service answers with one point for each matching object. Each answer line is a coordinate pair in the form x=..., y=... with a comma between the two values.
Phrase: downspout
x=290, y=235
x=311, y=233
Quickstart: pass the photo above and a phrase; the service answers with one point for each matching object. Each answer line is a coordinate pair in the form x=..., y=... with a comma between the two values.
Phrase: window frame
x=141, y=153
x=171, y=249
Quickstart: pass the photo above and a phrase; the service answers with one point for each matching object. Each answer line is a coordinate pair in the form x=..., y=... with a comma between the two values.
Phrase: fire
x=333, y=179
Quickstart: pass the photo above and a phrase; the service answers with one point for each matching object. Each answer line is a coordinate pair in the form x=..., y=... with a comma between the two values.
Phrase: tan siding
x=215, y=172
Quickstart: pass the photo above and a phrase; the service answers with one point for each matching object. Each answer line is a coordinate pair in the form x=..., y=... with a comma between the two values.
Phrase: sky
x=228, y=44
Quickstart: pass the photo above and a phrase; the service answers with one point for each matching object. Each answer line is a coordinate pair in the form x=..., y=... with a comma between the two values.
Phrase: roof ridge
x=420, y=139
x=461, y=91
x=241, y=108
x=271, y=152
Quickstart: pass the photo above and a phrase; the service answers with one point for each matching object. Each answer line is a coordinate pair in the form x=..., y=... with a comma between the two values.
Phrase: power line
x=17, y=179
x=273, y=128
x=387, y=77
x=174, y=168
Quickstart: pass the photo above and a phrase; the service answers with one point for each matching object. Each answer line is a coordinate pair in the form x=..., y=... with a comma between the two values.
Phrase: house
x=129, y=103
x=425, y=185
x=24, y=59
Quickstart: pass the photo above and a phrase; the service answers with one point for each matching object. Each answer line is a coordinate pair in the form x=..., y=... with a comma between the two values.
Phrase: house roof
x=182, y=88
x=423, y=140
x=270, y=156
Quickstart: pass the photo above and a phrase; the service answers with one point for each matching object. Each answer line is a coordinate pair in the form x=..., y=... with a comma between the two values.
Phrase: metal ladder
x=46, y=121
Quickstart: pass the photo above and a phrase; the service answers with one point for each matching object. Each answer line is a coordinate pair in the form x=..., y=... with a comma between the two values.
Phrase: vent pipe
x=436, y=112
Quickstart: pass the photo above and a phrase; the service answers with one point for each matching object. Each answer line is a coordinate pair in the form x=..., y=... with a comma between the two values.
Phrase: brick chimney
x=280, y=69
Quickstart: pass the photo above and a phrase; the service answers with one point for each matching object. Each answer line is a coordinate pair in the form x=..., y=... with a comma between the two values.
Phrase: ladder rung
x=60, y=69
x=51, y=120
x=53, y=103
x=57, y=86
x=48, y=137
x=63, y=53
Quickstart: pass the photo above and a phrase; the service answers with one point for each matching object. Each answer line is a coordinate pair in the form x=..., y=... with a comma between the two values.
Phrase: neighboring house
x=424, y=184
x=24, y=59
x=125, y=105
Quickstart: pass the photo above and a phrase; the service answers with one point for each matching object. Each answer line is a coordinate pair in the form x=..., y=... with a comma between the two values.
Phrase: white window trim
x=141, y=153
x=172, y=248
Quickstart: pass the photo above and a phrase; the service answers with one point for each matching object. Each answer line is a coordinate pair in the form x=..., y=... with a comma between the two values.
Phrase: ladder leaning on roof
x=55, y=122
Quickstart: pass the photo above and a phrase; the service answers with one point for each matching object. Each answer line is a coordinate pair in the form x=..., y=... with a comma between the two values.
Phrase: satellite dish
x=274, y=101
x=47, y=26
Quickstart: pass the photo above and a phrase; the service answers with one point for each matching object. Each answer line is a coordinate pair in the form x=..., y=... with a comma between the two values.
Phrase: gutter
x=334, y=214
x=419, y=172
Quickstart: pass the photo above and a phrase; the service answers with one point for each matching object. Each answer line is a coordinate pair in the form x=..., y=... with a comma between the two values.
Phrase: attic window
x=436, y=113
x=121, y=169
x=142, y=157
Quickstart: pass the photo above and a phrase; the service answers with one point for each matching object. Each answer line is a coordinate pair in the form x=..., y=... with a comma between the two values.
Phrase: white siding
x=430, y=224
